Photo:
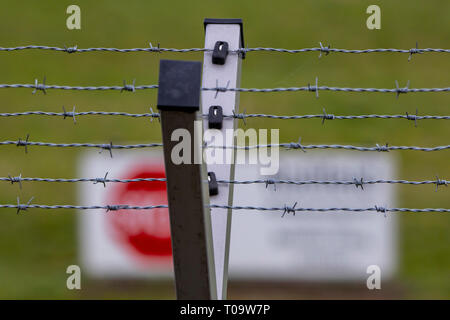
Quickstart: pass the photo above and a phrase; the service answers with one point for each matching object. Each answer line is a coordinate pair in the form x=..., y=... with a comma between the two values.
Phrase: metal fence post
x=187, y=182
x=222, y=68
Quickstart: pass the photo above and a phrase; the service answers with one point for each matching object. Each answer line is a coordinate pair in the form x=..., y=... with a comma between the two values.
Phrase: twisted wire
x=293, y=209
x=225, y=181
x=43, y=87
x=88, y=88
x=294, y=145
x=81, y=50
x=158, y=49
x=285, y=209
x=324, y=116
x=327, y=88
x=87, y=145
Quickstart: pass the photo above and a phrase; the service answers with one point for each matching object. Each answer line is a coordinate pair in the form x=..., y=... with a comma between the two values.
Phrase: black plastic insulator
x=215, y=117
x=220, y=52
x=212, y=182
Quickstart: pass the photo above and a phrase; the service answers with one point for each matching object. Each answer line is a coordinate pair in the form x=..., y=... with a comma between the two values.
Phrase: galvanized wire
x=357, y=182
x=328, y=49
x=80, y=50
x=285, y=209
x=126, y=87
x=291, y=145
x=327, y=88
x=297, y=145
x=77, y=145
x=324, y=116
x=110, y=146
x=44, y=87
x=322, y=49
x=73, y=114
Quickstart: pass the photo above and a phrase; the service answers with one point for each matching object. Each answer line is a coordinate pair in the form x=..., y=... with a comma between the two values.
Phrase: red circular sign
x=145, y=233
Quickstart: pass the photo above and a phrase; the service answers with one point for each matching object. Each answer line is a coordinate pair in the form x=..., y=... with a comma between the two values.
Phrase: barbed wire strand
x=298, y=145
x=322, y=49
x=357, y=182
x=291, y=145
x=285, y=209
x=398, y=90
x=154, y=115
x=109, y=147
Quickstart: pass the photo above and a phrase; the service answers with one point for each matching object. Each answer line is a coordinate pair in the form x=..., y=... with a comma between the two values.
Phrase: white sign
x=316, y=245
x=312, y=246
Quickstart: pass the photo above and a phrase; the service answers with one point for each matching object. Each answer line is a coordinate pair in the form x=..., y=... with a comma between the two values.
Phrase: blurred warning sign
x=264, y=245
x=126, y=242
x=145, y=233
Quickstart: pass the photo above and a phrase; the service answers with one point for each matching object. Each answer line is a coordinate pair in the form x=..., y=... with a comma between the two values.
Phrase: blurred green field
x=37, y=246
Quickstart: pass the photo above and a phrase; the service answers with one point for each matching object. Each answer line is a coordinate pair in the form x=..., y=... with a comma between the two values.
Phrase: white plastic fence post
x=222, y=73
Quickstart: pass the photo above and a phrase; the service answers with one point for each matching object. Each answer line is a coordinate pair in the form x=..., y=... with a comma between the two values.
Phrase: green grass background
x=37, y=246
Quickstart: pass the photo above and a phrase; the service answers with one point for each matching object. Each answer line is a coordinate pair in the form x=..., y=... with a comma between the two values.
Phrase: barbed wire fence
x=322, y=50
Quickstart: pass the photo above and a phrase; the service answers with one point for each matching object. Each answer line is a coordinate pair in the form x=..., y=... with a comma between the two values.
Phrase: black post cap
x=179, y=85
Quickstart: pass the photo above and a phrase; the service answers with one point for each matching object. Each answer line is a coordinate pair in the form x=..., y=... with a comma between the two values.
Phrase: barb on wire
x=440, y=182
x=413, y=117
x=315, y=88
x=102, y=180
x=39, y=86
x=383, y=210
x=23, y=207
x=17, y=179
x=70, y=49
x=221, y=89
x=128, y=87
x=401, y=90
x=25, y=143
x=155, y=49
x=415, y=50
x=326, y=116
x=359, y=183
x=112, y=208
x=323, y=49
x=108, y=147
x=297, y=145
x=268, y=181
x=241, y=116
x=154, y=115
x=384, y=148
x=289, y=210
x=69, y=114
